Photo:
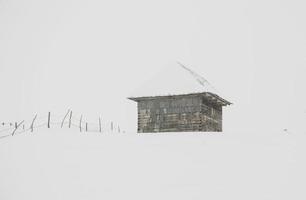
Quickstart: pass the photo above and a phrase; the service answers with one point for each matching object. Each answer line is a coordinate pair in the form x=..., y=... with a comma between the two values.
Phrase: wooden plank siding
x=179, y=114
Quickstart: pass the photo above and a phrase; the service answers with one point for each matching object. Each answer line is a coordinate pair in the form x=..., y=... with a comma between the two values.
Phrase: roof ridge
x=200, y=79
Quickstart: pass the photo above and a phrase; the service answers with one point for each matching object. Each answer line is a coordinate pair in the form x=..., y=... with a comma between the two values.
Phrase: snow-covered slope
x=64, y=164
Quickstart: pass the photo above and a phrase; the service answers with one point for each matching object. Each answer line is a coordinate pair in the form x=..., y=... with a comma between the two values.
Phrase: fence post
x=86, y=126
x=17, y=127
x=32, y=124
x=70, y=119
x=81, y=123
x=65, y=118
x=100, y=128
x=15, y=124
x=49, y=115
x=112, y=126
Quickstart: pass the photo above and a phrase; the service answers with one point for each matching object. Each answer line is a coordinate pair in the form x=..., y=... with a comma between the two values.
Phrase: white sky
x=90, y=55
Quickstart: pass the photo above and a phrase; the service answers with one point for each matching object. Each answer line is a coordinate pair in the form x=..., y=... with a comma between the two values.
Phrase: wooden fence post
x=81, y=123
x=86, y=126
x=100, y=128
x=17, y=127
x=49, y=115
x=70, y=119
x=65, y=118
x=32, y=124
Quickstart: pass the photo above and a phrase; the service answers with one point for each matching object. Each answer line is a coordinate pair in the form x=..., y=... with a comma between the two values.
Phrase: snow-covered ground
x=65, y=164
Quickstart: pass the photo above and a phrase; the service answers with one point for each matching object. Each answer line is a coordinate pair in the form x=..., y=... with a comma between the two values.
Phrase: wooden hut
x=193, y=111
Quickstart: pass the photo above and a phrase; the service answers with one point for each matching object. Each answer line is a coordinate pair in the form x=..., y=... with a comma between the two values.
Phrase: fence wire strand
x=56, y=121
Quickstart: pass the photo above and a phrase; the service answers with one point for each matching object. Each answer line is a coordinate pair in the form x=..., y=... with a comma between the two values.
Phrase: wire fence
x=51, y=120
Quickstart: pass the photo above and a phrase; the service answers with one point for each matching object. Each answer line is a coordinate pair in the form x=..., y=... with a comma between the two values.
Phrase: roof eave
x=219, y=100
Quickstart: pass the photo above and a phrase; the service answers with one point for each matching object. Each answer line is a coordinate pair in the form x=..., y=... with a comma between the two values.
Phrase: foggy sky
x=89, y=56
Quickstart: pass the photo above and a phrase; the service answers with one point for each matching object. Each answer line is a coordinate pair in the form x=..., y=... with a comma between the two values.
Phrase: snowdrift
x=64, y=164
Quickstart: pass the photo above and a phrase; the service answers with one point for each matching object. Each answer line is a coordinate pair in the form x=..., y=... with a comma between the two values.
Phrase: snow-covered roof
x=175, y=79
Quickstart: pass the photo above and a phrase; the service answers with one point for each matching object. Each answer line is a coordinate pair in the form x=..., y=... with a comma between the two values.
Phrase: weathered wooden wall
x=211, y=116
x=178, y=114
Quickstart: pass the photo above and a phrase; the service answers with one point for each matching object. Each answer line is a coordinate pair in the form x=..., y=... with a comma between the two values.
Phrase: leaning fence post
x=70, y=119
x=49, y=115
x=17, y=127
x=65, y=118
x=32, y=125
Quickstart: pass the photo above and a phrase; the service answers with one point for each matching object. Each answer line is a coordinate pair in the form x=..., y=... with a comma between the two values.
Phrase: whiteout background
x=90, y=55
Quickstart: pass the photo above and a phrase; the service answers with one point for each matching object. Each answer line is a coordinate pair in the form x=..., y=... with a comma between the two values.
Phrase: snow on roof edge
x=206, y=94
